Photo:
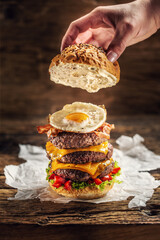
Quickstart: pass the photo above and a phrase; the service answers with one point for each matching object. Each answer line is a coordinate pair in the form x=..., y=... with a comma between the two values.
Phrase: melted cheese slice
x=57, y=153
x=94, y=169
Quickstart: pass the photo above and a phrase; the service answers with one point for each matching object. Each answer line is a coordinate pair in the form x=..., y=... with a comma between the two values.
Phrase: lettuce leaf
x=116, y=164
x=79, y=185
x=48, y=175
x=51, y=180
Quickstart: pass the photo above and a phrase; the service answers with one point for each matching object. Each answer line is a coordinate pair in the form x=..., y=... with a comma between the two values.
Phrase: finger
x=84, y=37
x=76, y=27
x=103, y=36
x=94, y=42
x=119, y=43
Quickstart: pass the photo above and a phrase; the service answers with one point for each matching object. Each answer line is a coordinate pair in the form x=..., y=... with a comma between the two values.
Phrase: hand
x=115, y=27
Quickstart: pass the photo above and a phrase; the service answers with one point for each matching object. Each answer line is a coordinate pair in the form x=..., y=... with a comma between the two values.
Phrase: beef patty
x=87, y=156
x=76, y=140
x=82, y=157
x=77, y=175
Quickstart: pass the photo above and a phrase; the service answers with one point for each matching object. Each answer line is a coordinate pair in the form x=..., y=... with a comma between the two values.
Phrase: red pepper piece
x=59, y=179
x=52, y=176
x=116, y=170
x=57, y=185
x=68, y=185
x=106, y=178
x=44, y=128
x=97, y=181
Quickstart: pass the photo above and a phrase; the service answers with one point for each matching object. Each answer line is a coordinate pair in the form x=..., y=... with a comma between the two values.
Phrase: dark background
x=31, y=33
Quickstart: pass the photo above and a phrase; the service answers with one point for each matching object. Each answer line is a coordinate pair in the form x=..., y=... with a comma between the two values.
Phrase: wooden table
x=75, y=219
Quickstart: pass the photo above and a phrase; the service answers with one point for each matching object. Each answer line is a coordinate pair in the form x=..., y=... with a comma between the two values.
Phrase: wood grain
x=72, y=232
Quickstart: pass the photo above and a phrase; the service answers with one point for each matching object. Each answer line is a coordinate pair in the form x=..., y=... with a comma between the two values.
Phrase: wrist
x=155, y=5
x=153, y=9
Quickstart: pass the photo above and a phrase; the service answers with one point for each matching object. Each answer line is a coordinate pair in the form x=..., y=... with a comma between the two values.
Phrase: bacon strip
x=50, y=130
x=105, y=127
x=44, y=128
x=103, y=131
x=53, y=132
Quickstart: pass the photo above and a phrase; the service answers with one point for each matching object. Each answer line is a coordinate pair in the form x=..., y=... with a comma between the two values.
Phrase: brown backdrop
x=31, y=33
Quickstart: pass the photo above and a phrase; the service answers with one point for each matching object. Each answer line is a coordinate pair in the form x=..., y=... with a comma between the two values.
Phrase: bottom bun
x=91, y=192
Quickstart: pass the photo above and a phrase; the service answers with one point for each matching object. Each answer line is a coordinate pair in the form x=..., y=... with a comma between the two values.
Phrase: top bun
x=84, y=66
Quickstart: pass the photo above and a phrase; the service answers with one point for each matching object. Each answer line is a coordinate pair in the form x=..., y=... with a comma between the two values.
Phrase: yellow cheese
x=57, y=153
x=94, y=169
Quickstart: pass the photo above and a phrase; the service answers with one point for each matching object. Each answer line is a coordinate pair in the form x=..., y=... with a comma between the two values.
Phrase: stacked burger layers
x=81, y=164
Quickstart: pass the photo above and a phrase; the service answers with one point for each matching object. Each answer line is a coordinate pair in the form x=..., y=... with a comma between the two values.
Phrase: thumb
x=118, y=44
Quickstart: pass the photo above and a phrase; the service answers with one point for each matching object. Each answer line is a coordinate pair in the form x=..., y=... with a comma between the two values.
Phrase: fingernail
x=112, y=56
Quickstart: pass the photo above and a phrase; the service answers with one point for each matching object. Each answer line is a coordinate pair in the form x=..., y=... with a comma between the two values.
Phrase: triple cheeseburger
x=80, y=156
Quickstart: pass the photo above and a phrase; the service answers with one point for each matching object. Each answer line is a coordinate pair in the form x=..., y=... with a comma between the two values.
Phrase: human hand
x=115, y=27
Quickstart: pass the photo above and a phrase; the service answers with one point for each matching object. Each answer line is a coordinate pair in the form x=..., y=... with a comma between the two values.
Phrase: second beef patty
x=81, y=157
x=87, y=156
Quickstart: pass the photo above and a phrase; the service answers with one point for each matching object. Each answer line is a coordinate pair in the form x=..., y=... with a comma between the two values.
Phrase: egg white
x=97, y=116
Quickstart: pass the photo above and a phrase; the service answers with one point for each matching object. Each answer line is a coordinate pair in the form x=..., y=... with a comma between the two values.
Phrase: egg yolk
x=77, y=117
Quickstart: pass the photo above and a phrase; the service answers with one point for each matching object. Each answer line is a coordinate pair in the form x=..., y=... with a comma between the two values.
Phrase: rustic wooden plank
x=2, y=183
x=36, y=212
x=72, y=232
x=116, y=217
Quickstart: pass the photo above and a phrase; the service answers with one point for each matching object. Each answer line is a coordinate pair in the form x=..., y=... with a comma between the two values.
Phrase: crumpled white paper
x=133, y=157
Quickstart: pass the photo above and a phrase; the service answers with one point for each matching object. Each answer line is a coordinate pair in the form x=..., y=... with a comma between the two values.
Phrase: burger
x=80, y=157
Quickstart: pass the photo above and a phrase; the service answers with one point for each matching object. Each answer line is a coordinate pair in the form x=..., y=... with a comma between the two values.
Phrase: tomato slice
x=57, y=185
x=52, y=176
x=106, y=178
x=116, y=170
x=97, y=181
x=59, y=179
x=68, y=185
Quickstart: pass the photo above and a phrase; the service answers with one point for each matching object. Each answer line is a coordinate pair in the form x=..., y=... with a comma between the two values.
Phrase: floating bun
x=91, y=192
x=84, y=66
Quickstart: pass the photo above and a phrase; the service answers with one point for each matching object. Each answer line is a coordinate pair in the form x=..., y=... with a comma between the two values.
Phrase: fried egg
x=78, y=117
